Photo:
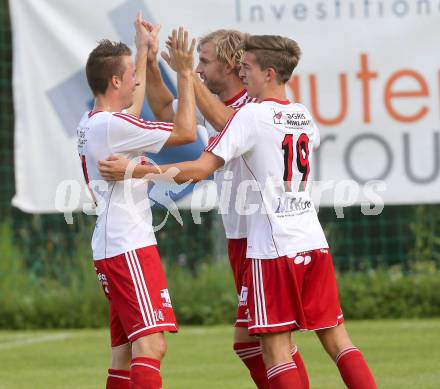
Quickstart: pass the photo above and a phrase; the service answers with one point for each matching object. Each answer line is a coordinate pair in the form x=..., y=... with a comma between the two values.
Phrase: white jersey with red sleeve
x=274, y=140
x=229, y=176
x=227, y=180
x=124, y=216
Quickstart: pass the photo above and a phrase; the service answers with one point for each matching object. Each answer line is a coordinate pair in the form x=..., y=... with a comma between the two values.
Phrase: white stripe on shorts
x=257, y=288
x=127, y=258
x=155, y=326
x=262, y=292
x=256, y=295
x=138, y=265
x=260, y=301
x=276, y=325
x=138, y=275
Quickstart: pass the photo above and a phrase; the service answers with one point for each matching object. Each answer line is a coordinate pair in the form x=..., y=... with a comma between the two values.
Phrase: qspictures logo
x=258, y=11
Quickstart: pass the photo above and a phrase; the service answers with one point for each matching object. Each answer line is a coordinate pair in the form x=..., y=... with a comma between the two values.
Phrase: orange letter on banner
x=293, y=84
x=314, y=101
x=364, y=75
x=390, y=94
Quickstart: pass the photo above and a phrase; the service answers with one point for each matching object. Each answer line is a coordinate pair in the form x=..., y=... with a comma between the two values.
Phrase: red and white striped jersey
x=229, y=176
x=124, y=216
x=274, y=140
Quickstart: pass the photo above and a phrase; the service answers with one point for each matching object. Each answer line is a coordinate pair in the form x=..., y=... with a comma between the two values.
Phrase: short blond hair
x=228, y=46
x=274, y=51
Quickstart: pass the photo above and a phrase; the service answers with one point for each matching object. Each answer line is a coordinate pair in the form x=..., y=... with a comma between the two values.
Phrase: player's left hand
x=153, y=40
x=180, y=54
x=114, y=168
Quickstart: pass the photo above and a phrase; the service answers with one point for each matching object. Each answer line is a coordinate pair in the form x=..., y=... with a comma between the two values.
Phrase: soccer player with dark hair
x=124, y=246
x=289, y=273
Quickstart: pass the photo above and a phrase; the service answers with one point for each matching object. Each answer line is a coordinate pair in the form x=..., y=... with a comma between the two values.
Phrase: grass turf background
x=401, y=354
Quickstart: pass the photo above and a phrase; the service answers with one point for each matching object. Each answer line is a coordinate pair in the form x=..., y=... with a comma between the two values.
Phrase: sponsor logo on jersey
x=277, y=117
x=292, y=204
x=292, y=119
x=297, y=120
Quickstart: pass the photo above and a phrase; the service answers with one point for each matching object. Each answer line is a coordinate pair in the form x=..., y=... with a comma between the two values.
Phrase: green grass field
x=402, y=354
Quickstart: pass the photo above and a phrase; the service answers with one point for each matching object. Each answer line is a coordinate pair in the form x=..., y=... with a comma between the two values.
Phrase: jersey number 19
x=302, y=160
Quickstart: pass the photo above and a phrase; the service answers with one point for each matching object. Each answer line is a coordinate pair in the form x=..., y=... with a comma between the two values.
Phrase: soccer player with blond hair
x=219, y=94
x=289, y=274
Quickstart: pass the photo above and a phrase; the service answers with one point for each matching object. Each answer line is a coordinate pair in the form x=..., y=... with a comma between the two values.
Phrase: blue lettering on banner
x=263, y=11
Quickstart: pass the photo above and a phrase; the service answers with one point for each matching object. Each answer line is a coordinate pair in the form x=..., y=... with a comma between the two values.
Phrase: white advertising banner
x=369, y=74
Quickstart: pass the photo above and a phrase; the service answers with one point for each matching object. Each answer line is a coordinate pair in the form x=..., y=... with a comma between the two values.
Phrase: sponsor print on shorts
x=166, y=298
x=158, y=314
x=102, y=278
x=243, y=296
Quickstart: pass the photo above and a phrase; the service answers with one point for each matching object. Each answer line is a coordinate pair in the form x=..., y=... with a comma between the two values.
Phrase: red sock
x=118, y=379
x=145, y=373
x=354, y=370
x=252, y=357
x=284, y=376
x=296, y=356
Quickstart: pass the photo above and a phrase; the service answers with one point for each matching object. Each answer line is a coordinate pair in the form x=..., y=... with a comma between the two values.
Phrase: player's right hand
x=113, y=168
x=180, y=57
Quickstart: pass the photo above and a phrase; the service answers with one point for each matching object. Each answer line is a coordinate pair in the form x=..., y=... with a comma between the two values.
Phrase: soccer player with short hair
x=219, y=94
x=124, y=246
x=289, y=275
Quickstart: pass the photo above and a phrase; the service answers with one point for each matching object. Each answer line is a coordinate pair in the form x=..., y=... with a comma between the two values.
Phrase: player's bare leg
x=241, y=335
x=119, y=372
x=121, y=357
x=335, y=340
x=281, y=370
x=147, y=353
x=151, y=346
x=351, y=364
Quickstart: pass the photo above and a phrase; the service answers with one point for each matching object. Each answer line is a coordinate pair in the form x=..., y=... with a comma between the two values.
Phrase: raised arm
x=141, y=41
x=159, y=96
x=214, y=111
x=181, y=57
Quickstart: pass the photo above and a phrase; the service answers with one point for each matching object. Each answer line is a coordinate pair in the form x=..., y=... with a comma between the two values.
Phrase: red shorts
x=286, y=294
x=237, y=258
x=136, y=288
